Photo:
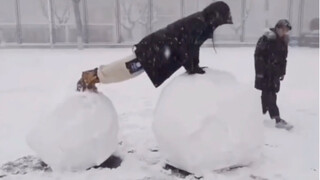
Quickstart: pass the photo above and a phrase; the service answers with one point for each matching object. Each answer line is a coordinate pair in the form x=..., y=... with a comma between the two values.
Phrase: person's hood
x=217, y=13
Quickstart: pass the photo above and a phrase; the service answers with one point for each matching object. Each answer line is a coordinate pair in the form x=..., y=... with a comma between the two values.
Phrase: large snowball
x=208, y=122
x=81, y=132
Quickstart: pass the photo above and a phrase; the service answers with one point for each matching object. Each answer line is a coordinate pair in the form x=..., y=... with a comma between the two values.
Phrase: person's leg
x=272, y=105
x=264, y=101
x=121, y=70
x=274, y=111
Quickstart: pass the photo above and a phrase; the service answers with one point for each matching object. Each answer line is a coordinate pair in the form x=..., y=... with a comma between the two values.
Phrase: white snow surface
x=79, y=133
x=35, y=81
x=196, y=127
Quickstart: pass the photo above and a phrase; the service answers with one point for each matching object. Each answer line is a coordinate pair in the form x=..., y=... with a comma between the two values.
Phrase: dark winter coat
x=270, y=61
x=166, y=50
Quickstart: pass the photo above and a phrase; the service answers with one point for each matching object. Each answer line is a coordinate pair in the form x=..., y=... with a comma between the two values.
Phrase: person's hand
x=88, y=80
x=197, y=70
x=281, y=78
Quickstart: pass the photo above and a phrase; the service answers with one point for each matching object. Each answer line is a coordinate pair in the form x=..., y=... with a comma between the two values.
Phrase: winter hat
x=283, y=23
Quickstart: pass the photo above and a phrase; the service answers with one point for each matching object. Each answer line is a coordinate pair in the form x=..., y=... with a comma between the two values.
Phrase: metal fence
x=124, y=22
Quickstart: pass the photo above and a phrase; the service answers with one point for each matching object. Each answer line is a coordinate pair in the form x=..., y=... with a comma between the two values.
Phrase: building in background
x=81, y=23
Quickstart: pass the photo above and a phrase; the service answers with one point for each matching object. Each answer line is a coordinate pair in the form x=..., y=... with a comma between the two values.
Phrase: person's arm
x=192, y=61
x=279, y=65
x=283, y=65
x=191, y=47
x=261, y=57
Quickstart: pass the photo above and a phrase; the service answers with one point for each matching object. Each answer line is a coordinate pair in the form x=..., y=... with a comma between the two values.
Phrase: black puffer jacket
x=270, y=61
x=166, y=50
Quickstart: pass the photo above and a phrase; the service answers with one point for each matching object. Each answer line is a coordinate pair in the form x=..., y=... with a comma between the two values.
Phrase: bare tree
x=237, y=27
x=65, y=16
x=62, y=18
x=136, y=14
x=129, y=22
x=57, y=20
x=77, y=15
x=240, y=26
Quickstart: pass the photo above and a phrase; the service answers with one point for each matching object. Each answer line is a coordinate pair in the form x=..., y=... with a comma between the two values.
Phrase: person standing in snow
x=163, y=52
x=270, y=67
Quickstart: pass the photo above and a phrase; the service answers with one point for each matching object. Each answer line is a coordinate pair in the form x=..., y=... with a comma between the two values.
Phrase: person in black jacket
x=163, y=52
x=270, y=67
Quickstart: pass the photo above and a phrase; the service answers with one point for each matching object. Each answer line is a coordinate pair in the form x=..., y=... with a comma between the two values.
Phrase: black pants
x=269, y=103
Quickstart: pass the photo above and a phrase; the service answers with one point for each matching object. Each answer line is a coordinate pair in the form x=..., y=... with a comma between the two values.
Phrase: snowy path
x=34, y=81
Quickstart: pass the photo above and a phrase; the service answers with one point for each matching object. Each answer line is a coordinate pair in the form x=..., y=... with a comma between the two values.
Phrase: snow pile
x=81, y=132
x=208, y=122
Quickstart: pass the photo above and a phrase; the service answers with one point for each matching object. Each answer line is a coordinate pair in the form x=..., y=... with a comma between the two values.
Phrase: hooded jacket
x=166, y=50
x=270, y=61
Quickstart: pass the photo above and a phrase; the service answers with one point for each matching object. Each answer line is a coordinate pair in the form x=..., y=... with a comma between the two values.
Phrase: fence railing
x=124, y=22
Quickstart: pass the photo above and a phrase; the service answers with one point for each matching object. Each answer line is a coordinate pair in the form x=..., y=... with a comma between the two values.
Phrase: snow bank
x=208, y=122
x=81, y=132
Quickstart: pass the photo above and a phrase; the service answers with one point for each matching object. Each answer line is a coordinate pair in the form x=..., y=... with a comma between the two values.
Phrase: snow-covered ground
x=34, y=81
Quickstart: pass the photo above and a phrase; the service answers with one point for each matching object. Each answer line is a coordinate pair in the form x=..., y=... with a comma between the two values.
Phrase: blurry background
x=94, y=23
